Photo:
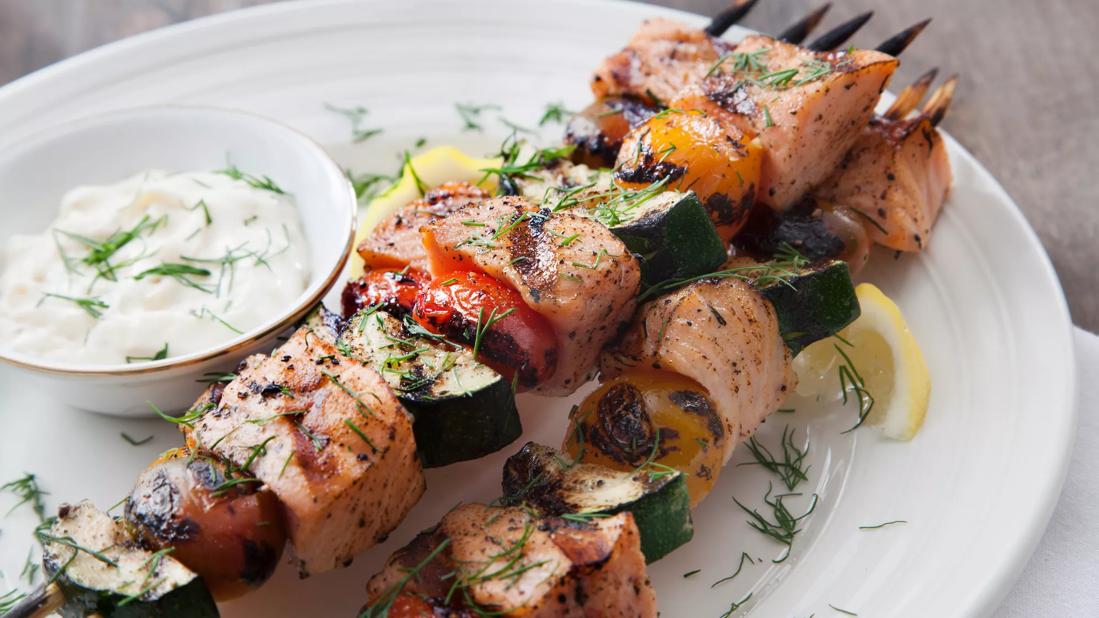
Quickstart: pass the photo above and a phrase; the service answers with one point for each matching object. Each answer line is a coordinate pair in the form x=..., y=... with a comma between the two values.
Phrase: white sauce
x=249, y=239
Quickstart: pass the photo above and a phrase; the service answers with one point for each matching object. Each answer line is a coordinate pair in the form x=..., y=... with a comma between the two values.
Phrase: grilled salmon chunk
x=506, y=562
x=661, y=59
x=807, y=107
x=327, y=436
x=569, y=269
x=898, y=175
x=395, y=242
x=722, y=334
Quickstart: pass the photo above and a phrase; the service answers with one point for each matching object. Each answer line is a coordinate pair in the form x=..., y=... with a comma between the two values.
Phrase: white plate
x=976, y=486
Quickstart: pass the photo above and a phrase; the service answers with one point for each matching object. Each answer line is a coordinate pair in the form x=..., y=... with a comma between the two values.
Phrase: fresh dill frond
x=852, y=384
x=160, y=354
x=27, y=490
x=744, y=557
x=91, y=305
x=471, y=113
x=133, y=441
x=791, y=468
x=483, y=325
x=258, y=182
x=555, y=112
x=355, y=116
x=181, y=273
x=785, y=525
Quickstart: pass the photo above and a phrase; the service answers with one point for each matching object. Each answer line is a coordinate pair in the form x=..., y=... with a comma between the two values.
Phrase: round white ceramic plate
x=976, y=486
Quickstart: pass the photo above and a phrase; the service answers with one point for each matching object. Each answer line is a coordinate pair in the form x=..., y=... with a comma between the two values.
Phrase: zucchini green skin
x=815, y=304
x=455, y=418
x=548, y=481
x=673, y=241
x=89, y=587
x=190, y=601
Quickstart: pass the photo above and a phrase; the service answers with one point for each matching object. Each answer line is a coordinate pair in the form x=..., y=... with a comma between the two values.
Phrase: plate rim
x=995, y=582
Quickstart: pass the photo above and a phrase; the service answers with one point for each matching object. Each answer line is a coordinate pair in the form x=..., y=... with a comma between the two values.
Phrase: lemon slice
x=433, y=168
x=879, y=349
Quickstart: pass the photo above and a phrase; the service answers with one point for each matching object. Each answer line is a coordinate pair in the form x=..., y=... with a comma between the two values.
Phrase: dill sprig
x=781, y=270
x=152, y=565
x=380, y=609
x=160, y=354
x=471, y=114
x=852, y=385
x=785, y=525
x=555, y=112
x=884, y=524
x=790, y=468
x=483, y=325
x=205, y=312
x=735, y=605
x=355, y=116
x=367, y=185
x=258, y=182
x=842, y=611
x=100, y=252
x=27, y=490
x=360, y=405
x=511, y=169
x=45, y=537
x=133, y=441
x=182, y=273
x=91, y=305
x=188, y=418
x=750, y=62
x=584, y=518
x=513, y=566
x=214, y=377
x=650, y=465
x=10, y=599
x=744, y=557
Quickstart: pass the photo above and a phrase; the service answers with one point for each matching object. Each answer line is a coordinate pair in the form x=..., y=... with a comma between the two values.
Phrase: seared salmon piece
x=569, y=269
x=506, y=562
x=661, y=59
x=898, y=172
x=327, y=436
x=807, y=107
x=722, y=334
x=395, y=242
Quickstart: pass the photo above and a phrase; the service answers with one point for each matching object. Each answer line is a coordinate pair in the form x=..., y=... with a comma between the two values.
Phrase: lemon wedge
x=436, y=166
x=879, y=353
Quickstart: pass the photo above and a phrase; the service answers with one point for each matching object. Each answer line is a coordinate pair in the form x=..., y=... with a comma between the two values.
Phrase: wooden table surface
x=1026, y=105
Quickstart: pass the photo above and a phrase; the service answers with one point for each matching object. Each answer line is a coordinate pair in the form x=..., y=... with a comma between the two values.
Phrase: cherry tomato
x=391, y=290
x=647, y=415
x=597, y=131
x=694, y=151
x=474, y=308
x=232, y=536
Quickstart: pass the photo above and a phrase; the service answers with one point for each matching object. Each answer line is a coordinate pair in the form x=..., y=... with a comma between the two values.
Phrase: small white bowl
x=35, y=173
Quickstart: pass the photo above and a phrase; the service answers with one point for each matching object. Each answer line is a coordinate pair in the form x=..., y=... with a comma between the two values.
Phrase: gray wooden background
x=1027, y=106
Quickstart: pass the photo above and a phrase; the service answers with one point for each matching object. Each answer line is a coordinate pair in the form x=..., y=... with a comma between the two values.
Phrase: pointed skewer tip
x=799, y=30
x=897, y=43
x=838, y=36
x=725, y=19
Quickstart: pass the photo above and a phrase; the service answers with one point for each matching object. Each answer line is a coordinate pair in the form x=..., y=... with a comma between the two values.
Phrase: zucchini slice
x=547, y=480
x=463, y=409
x=816, y=303
x=102, y=570
x=670, y=231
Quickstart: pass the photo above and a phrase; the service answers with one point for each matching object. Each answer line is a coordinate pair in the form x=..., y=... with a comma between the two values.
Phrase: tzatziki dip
x=156, y=266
